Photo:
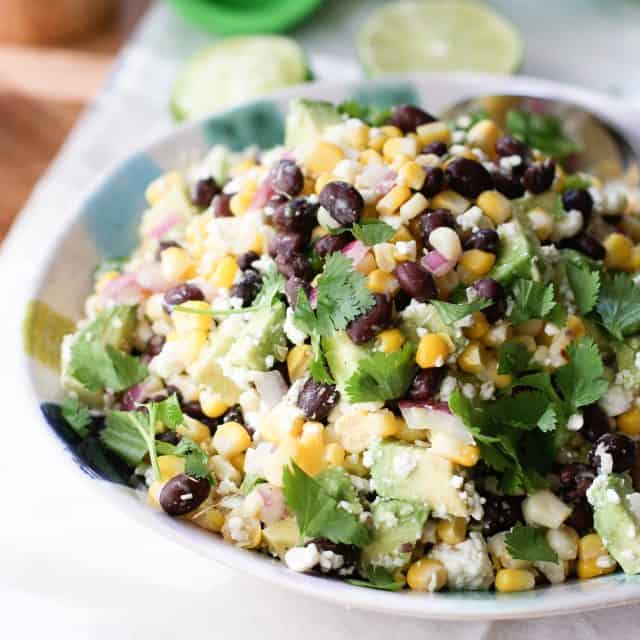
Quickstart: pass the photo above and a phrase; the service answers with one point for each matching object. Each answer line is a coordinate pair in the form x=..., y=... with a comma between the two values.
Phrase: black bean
x=581, y=517
x=343, y=202
x=233, y=414
x=483, y=239
x=180, y=294
x=170, y=437
x=492, y=290
x=247, y=287
x=509, y=186
x=595, y=422
x=416, y=281
x=287, y=178
x=220, y=205
x=330, y=244
x=294, y=264
x=408, y=117
x=296, y=215
x=183, y=493
x=508, y=146
x=432, y=219
x=369, y=324
x=622, y=449
x=500, y=513
x=203, y=192
x=579, y=199
x=433, y=181
x=247, y=259
x=293, y=286
x=437, y=148
x=287, y=243
x=584, y=243
x=154, y=345
x=317, y=399
x=468, y=177
x=575, y=479
x=538, y=178
x=401, y=300
x=193, y=409
x=349, y=552
x=426, y=384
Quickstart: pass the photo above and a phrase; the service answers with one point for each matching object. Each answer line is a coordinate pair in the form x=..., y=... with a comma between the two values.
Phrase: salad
x=395, y=351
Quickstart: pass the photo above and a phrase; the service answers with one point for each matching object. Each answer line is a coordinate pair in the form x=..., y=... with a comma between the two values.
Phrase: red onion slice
x=167, y=224
x=436, y=264
x=273, y=508
x=435, y=417
x=356, y=251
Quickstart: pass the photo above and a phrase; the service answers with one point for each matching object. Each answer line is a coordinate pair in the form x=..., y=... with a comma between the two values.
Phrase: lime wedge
x=438, y=35
x=234, y=70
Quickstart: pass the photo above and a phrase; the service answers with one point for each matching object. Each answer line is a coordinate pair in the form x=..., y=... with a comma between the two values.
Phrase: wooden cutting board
x=42, y=93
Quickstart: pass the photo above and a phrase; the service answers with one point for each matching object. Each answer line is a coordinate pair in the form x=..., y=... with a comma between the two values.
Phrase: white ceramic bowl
x=52, y=260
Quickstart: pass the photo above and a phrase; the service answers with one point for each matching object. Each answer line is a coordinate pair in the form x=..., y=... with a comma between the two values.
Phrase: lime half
x=438, y=35
x=234, y=70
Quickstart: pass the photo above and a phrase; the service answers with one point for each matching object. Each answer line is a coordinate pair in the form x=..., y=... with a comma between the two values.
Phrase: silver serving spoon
x=604, y=151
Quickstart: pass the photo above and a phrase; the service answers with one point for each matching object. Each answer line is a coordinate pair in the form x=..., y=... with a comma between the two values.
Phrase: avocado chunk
x=628, y=360
x=261, y=341
x=114, y=327
x=519, y=253
x=421, y=315
x=342, y=357
x=307, y=119
x=616, y=518
x=406, y=472
x=281, y=536
x=397, y=526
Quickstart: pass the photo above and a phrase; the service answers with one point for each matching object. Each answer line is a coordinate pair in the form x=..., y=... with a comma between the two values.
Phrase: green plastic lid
x=233, y=17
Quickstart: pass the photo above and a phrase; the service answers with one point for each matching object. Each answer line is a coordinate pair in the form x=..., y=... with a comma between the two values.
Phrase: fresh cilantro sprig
x=514, y=359
x=370, y=114
x=195, y=458
x=451, y=313
x=619, y=305
x=585, y=285
x=372, y=231
x=77, y=415
x=382, y=376
x=531, y=300
x=529, y=543
x=378, y=578
x=317, y=512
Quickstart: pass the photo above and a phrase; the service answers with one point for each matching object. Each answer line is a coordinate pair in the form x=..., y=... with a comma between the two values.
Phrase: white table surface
x=73, y=568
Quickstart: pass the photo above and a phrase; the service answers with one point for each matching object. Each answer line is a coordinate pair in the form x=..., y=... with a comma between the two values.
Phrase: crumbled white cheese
x=468, y=390
x=295, y=335
x=330, y=561
x=487, y=390
x=456, y=481
x=612, y=496
x=606, y=460
x=468, y=565
x=302, y=559
x=404, y=463
x=447, y=387
x=575, y=422
x=615, y=401
x=367, y=458
x=406, y=249
x=509, y=162
x=470, y=218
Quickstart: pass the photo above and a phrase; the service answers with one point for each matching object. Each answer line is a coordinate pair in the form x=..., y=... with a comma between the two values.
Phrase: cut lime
x=234, y=70
x=438, y=35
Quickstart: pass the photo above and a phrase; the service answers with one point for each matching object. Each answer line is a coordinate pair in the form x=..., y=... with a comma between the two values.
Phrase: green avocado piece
x=281, y=536
x=628, y=359
x=397, y=526
x=307, y=119
x=114, y=327
x=616, y=518
x=343, y=357
x=261, y=339
x=421, y=315
x=406, y=472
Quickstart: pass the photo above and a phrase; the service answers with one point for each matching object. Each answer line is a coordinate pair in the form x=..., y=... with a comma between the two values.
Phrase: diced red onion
x=161, y=229
x=149, y=276
x=436, y=264
x=123, y=290
x=435, y=417
x=263, y=195
x=273, y=503
x=271, y=387
x=356, y=251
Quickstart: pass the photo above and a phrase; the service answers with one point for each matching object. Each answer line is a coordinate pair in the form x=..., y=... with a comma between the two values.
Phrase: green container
x=234, y=17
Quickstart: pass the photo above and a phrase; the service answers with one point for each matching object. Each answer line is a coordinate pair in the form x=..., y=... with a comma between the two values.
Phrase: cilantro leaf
x=249, y=483
x=523, y=410
x=317, y=513
x=580, y=381
x=372, y=115
x=382, y=376
x=168, y=412
x=531, y=300
x=585, y=285
x=529, y=543
x=373, y=231
x=378, y=578
x=548, y=421
x=272, y=287
x=127, y=434
x=318, y=368
x=619, y=305
x=557, y=209
x=450, y=313
x=513, y=358
x=77, y=415
x=195, y=459
x=576, y=181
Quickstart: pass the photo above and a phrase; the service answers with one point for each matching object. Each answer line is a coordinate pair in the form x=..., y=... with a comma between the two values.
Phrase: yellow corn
x=170, y=466
x=176, y=264
x=153, y=493
x=208, y=518
x=433, y=132
x=162, y=185
x=310, y=453
x=512, y=580
x=105, y=279
x=477, y=262
x=358, y=137
x=258, y=244
x=194, y=429
x=393, y=200
x=452, y=531
x=412, y=174
x=225, y=272
x=370, y=156
x=484, y=135
x=323, y=158
x=576, y=326
x=450, y=200
x=634, y=261
x=212, y=405
x=618, y=249
x=191, y=344
x=495, y=206
x=404, y=148
x=230, y=439
x=471, y=360
x=559, y=180
x=322, y=181
x=334, y=454
x=298, y=360
x=413, y=207
x=593, y=558
x=241, y=201
x=238, y=461
x=242, y=166
x=380, y=281
x=390, y=340
x=426, y=574
x=402, y=234
x=479, y=327
x=629, y=422
x=541, y=222
x=433, y=350
x=451, y=448
x=383, y=253
x=501, y=380
x=391, y=131
x=185, y=321
x=497, y=335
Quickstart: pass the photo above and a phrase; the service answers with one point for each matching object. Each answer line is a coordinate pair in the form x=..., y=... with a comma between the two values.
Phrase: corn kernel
x=185, y=321
x=412, y=174
x=370, y=156
x=402, y=234
x=497, y=334
x=541, y=223
x=447, y=243
x=383, y=253
x=209, y=518
x=153, y=493
x=512, y=580
x=230, y=439
x=433, y=132
x=576, y=326
x=380, y=281
x=390, y=340
x=105, y=279
x=427, y=574
x=162, y=185
x=391, y=131
x=404, y=148
x=447, y=446
x=367, y=264
x=495, y=206
x=322, y=181
x=477, y=262
x=211, y=403
x=191, y=344
x=334, y=454
x=479, y=327
x=593, y=558
x=238, y=461
x=241, y=201
x=471, y=360
x=560, y=180
x=413, y=207
x=170, y=466
x=393, y=200
x=618, y=249
x=629, y=422
x=225, y=272
x=176, y=264
x=358, y=137
x=634, y=261
x=242, y=531
x=323, y=158
x=452, y=531
x=194, y=429
x=310, y=453
x=298, y=360
x=501, y=380
x=450, y=200
x=242, y=166
x=433, y=350
x=447, y=284
x=258, y=244
x=357, y=430
x=484, y=135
